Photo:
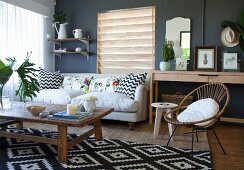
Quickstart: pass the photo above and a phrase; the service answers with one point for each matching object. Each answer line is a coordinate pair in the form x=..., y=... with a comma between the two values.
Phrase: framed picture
x=205, y=58
x=230, y=61
x=181, y=64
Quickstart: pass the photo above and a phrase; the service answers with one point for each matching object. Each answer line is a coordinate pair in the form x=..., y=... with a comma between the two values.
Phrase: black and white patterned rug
x=94, y=154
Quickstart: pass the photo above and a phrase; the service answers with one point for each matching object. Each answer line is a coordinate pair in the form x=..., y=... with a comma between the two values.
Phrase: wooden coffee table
x=19, y=113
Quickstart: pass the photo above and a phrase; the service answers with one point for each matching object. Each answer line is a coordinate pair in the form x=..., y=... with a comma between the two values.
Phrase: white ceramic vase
x=89, y=106
x=62, y=31
x=164, y=66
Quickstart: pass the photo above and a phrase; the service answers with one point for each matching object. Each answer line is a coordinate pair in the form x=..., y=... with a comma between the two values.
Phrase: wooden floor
x=232, y=139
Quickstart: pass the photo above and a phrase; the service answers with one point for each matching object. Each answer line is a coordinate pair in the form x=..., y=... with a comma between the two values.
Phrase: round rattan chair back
x=217, y=91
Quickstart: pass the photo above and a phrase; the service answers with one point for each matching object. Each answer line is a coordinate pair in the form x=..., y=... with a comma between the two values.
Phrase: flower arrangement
x=91, y=98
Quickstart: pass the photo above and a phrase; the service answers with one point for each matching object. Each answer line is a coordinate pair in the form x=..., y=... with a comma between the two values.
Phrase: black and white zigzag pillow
x=49, y=80
x=129, y=84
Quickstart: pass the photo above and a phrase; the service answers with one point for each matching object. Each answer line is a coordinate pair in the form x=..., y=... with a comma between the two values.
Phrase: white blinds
x=126, y=40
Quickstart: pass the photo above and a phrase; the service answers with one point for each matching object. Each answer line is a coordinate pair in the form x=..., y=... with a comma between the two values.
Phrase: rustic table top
x=19, y=112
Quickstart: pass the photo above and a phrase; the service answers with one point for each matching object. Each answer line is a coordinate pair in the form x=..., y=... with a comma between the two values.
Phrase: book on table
x=64, y=116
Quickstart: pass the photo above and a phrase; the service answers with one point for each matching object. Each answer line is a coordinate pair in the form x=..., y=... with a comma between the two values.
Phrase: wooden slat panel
x=127, y=50
x=126, y=21
x=126, y=43
x=125, y=36
x=126, y=28
x=123, y=70
x=126, y=57
x=126, y=64
x=126, y=40
x=126, y=13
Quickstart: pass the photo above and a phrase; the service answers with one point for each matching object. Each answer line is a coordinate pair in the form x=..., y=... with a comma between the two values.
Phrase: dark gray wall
x=83, y=14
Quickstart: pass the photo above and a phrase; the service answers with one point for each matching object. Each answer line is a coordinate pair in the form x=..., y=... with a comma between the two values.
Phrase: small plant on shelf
x=168, y=51
x=167, y=54
x=60, y=17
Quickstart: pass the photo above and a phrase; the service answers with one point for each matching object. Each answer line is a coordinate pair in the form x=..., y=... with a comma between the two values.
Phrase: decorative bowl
x=35, y=110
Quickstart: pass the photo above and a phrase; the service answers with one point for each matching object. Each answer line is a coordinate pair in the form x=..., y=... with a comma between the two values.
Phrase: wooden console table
x=191, y=76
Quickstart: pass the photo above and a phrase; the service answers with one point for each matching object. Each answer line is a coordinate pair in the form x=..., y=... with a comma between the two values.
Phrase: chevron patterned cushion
x=49, y=80
x=129, y=84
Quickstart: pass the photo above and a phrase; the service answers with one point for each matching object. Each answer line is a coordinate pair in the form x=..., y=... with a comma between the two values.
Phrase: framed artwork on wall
x=230, y=62
x=205, y=58
x=181, y=64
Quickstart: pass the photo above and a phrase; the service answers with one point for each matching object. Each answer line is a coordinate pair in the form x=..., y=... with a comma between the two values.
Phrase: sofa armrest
x=139, y=92
x=141, y=98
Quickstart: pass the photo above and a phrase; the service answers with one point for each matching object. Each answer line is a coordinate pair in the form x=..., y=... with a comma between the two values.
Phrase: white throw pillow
x=199, y=110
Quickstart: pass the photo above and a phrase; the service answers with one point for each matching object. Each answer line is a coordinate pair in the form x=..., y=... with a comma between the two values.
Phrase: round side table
x=161, y=109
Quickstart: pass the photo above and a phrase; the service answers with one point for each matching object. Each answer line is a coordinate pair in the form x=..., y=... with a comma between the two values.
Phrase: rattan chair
x=217, y=91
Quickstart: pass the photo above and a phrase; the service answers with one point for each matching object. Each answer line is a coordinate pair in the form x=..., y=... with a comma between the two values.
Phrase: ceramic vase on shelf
x=62, y=30
x=164, y=66
x=90, y=106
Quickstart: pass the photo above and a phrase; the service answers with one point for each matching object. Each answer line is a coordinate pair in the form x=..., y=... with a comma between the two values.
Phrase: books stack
x=64, y=116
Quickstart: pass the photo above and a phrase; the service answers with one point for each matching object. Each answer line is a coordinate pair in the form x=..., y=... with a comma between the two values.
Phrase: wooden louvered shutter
x=126, y=40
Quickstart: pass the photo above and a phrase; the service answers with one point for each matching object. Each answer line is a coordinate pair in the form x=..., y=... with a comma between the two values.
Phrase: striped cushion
x=49, y=80
x=129, y=84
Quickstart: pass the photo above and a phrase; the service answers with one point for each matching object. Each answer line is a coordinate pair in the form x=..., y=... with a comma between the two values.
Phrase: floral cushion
x=76, y=83
x=100, y=84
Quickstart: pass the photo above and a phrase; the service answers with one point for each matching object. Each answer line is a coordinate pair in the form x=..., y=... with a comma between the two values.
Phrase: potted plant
x=60, y=18
x=28, y=84
x=167, y=54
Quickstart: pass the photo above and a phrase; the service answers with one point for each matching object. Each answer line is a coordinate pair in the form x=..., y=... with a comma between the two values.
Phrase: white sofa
x=125, y=108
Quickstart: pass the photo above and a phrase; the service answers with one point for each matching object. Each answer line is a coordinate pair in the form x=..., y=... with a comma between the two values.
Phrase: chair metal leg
x=192, y=138
x=171, y=135
x=219, y=142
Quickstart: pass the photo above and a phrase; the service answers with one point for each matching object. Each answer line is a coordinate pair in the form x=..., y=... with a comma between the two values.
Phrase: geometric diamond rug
x=95, y=154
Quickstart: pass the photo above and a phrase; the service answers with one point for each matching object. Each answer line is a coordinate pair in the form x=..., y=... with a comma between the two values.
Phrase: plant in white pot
x=167, y=54
x=60, y=18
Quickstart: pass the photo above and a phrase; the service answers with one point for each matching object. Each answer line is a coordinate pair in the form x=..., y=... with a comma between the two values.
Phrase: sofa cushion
x=56, y=96
x=76, y=83
x=120, y=102
x=49, y=80
x=100, y=84
x=129, y=84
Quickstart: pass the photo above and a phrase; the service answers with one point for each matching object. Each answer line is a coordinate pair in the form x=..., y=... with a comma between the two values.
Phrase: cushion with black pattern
x=128, y=84
x=49, y=80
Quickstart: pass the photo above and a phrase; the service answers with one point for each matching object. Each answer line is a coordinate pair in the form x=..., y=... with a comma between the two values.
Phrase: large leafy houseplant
x=237, y=27
x=28, y=84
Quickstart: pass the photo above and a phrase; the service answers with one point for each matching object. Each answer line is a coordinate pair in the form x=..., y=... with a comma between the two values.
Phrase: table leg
x=62, y=144
x=157, y=124
x=151, y=101
x=98, y=130
x=170, y=126
x=19, y=125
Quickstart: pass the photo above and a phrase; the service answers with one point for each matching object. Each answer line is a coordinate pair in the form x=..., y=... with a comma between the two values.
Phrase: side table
x=161, y=109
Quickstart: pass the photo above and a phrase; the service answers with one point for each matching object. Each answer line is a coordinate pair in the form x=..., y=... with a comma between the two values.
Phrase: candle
x=72, y=109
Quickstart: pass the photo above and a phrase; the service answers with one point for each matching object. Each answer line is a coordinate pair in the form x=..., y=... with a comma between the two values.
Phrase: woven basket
x=176, y=98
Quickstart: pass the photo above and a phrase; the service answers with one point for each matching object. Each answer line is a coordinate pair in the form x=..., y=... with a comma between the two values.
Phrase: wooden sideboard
x=191, y=76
